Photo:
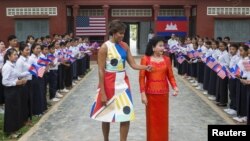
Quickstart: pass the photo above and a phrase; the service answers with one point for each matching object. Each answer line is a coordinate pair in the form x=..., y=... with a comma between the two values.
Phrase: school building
x=207, y=18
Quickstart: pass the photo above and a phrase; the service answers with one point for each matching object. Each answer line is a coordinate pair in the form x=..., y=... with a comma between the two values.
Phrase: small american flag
x=90, y=26
x=222, y=74
x=40, y=71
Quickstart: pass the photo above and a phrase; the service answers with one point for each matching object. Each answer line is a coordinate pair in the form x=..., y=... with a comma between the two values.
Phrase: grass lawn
x=23, y=130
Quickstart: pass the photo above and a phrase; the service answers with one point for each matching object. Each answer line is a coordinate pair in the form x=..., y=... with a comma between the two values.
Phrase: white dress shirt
x=1, y=61
x=234, y=60
x=224, y=58
x=11, y=74
x=33, y=59
x=22, y=65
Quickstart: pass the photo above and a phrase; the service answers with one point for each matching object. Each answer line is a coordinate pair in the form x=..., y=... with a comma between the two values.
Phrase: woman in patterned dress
x=114, y=101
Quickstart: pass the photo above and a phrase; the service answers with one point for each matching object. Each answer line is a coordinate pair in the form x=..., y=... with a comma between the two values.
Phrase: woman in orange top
x=154, y=89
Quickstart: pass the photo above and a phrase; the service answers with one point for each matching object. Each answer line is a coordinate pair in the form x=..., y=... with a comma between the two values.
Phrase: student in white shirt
x=37, y=83
x=53, y=76
x=213, y=75
x=241, y=90
x=12, y=116
x=2, y=52
x=206, y=68
x=200, y=64
x=247, y=82
x=30, y=40
x=234, y=59
x=22, y=66
x=222, y=84
x=12, y=40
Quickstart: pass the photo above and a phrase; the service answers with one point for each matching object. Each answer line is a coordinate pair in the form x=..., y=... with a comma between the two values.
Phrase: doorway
x=132, y=37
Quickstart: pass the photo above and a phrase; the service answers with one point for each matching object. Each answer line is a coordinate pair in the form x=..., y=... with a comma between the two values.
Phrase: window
x=228, y=10
x=14, y=11
x=91, y=12
x=171, y=12
x=131, y=12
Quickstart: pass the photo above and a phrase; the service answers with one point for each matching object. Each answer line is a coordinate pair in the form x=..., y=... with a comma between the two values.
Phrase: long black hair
x=33, y=47
x=22, y=46
x=8, y=53
x=152, y=44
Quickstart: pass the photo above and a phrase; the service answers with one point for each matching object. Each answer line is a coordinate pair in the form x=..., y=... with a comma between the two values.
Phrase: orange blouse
x=156, y=81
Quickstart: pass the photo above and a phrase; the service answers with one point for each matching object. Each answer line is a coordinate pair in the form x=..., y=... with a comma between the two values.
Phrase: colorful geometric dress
x=119, y=106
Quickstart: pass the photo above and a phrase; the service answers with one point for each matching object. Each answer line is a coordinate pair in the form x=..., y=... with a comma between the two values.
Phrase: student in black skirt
x=247, y=83
x=234, y=59
x=222, y=84
x=194, y=65
x=13, y=94
x=22, y=66
x=2, y=52
x=206, y=68
x=213, y=75
x=37, y=83
x=200, y=64
x=241, y=97
x=68, y=69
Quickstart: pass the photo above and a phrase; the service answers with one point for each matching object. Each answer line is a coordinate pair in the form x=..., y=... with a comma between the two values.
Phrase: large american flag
x=90, y=26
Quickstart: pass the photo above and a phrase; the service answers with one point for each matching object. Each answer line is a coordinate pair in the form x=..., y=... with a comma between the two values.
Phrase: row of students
x=206, y=79
x=25, y=95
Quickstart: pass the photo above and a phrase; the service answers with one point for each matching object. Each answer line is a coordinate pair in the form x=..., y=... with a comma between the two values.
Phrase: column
x=156, y=8
x=187, y=12
x=75, y=14
x=106, y=15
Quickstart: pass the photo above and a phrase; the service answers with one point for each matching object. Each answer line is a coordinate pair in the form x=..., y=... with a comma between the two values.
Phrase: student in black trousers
x=222, y=84
x=2, y=48
x=13, y=106
x=53, y=77
x=232, y=81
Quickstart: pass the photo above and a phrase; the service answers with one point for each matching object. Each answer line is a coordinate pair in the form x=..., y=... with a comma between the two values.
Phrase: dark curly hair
x=116, y=26
x=152, y=44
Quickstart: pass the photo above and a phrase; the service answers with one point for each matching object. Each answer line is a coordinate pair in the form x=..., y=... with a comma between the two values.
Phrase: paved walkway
x=69, y=121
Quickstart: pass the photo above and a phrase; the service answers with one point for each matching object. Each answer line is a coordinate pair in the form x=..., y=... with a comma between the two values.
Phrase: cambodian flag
x=51, y=57
x=203, y=58
x=33, y=69
x=237, y=71
x=43, y=61
x=165, y=26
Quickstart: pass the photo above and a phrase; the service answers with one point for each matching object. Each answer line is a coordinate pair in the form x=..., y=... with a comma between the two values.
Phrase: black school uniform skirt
x=206, y=77
x=13, y=109
x=232, y=93
x=38, y=95
x=184, y=67
x=222, y=90
x=79, y=63
x=87, y=61
x=194, y=70
x=248, y=104
x=212, y=83
x=61, y=77
x=179, y=68
x=241, y=99
x=68, y=75
x=84, y=65
x=1, y=90
x=200, y=72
